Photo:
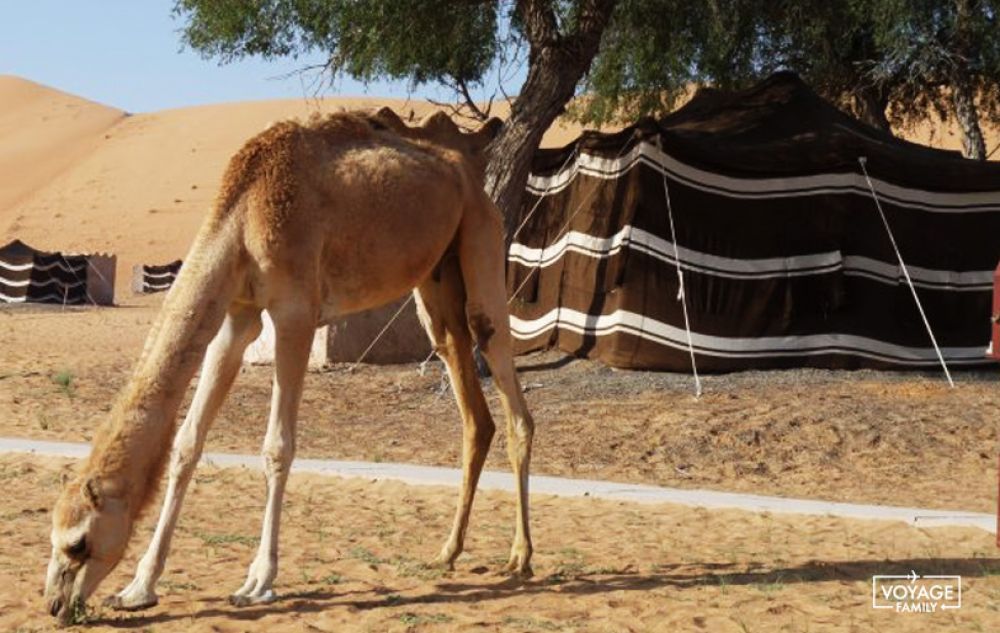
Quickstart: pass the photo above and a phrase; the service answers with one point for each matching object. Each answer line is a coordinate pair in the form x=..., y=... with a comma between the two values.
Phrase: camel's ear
x=91, y=491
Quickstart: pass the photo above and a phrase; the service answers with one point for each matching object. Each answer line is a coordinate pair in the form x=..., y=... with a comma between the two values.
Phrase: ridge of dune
x=43, y=132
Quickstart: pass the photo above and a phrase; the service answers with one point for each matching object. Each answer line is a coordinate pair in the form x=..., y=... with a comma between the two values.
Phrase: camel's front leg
x=293, y=338
x=222, y=362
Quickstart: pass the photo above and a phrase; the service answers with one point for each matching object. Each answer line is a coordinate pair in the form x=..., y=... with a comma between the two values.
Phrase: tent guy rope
x=863, y=161
x=681, y=294
x=403, y=307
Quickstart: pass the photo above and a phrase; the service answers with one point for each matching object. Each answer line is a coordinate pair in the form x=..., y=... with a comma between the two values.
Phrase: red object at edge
x=995, y=317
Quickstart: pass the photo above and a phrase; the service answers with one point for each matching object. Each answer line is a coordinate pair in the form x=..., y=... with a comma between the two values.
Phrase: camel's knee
x=185, y=453
x=278, y=456
x=482, y=329
x=522, y=428
x=483, y=433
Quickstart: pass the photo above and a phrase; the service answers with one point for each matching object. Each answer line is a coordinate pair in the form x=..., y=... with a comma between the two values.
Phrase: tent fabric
x=148, y=278
x=30, y=275
x=786, y=261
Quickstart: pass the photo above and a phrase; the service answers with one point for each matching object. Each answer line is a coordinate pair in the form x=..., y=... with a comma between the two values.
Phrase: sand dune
x=79, y=176
x=82, y=177
x=44, y=132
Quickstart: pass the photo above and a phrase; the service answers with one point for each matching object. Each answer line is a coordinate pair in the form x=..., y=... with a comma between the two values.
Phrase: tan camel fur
x=313, y=221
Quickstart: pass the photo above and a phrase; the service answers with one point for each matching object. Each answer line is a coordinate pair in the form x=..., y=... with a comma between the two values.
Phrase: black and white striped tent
x=147, y=278
x=785, y=257
x=30, y=275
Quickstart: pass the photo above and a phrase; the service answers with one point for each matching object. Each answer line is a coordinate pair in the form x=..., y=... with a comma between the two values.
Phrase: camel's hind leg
x=294, y=329
x=481, y=259
x=441, y=306
x=222, y=362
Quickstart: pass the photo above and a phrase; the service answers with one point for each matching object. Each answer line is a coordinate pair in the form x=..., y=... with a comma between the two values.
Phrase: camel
x=314, y=220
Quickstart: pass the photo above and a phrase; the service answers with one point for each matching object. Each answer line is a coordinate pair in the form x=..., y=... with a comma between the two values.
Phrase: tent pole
x=862, y=160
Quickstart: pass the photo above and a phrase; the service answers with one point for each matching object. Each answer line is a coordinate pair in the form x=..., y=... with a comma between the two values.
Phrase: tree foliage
x=453, y=43
x=655, y=50
x=891, y=63
x=424, y=41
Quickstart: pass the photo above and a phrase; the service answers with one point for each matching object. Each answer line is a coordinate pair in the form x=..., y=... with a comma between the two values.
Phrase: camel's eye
x=77, y=549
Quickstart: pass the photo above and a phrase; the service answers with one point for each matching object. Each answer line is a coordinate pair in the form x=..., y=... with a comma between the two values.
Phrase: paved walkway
x=562, y=487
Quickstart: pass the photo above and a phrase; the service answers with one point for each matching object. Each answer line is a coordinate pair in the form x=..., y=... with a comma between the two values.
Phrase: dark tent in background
x=30, y=275
x=147, y=278
x=786, y=261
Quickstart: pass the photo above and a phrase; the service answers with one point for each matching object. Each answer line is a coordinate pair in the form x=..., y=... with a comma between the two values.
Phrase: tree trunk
x=963, y=96
x=556, y=63
x=871, y=103
x=967, y=115
x=543, y=98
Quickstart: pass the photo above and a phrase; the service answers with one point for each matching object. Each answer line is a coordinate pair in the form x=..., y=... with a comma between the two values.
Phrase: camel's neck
x=131, y=448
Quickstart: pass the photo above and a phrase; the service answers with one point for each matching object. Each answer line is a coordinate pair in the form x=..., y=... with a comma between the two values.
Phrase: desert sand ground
x=352, y=561
x=883, y=437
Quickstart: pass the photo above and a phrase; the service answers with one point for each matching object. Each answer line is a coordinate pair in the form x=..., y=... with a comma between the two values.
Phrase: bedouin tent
x=31, y=275
x=148, y=278
x=785, y=258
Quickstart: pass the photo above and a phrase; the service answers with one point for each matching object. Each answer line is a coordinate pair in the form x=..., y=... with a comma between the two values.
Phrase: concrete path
x=562, y=487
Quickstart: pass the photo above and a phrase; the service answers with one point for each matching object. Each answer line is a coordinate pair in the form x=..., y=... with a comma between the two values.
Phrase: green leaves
x=428, y=40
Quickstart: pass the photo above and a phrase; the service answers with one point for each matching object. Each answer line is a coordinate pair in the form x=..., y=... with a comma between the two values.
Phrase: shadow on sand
x=494, y=588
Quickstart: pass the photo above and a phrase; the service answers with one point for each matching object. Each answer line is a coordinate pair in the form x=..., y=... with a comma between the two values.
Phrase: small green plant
x=366, y=555
x=224, y=539
x=172, y=586
x=529, y=624
x=65, y=381
x=332, y=579
x=78, y=613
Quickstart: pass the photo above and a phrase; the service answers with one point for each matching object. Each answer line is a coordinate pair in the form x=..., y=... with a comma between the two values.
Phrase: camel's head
x=91, y=524
x=438, y=128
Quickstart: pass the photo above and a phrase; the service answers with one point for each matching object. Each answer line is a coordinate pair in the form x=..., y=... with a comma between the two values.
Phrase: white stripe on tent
x=65, y=267
x=49, y=297
x=759, y=268
x=163, y=286
x=733, y=347
x=732, y=187
x=159, y=275
x=38, y=284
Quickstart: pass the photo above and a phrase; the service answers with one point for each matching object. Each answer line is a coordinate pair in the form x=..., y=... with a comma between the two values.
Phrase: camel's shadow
x=709, y=574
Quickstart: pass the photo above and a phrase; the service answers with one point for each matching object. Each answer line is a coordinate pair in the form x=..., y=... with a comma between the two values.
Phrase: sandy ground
x=865, y=436
x=352, y=554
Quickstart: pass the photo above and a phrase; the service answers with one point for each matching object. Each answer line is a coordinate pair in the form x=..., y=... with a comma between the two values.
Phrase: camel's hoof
x=443, y=561
x=518, y=567
x=246, y=600
x=119, y=602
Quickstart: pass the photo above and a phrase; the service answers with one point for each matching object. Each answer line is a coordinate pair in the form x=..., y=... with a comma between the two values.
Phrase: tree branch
x=540, y=24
